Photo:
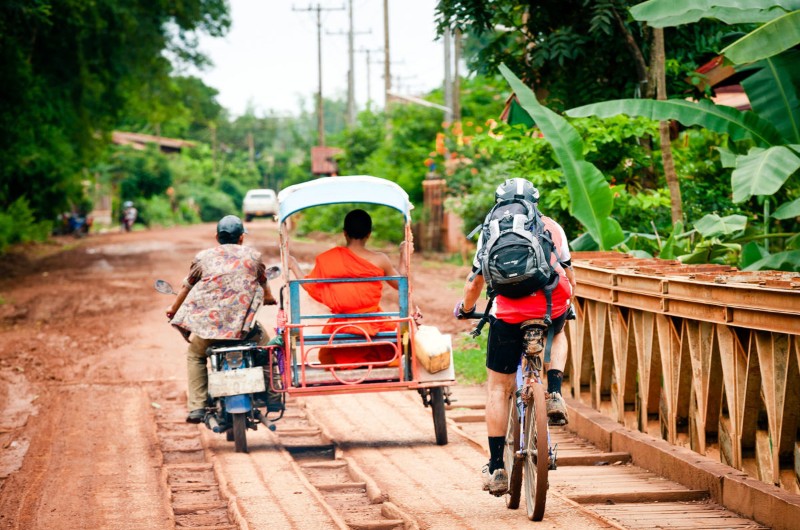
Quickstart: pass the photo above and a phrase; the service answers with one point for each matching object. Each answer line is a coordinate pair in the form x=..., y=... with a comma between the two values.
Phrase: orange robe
x=362, y=297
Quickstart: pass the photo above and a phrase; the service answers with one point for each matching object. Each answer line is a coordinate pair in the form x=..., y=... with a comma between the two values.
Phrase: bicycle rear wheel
x=536, y=454
x=513, y=464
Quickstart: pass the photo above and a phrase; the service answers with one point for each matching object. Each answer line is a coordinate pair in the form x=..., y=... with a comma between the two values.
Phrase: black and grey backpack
x=515, y=258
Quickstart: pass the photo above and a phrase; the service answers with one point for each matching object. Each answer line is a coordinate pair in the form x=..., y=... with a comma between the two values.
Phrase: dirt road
x=92, y=392
x=92, y=431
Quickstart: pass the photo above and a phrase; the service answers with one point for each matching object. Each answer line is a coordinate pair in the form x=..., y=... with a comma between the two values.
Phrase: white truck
x=259, y=203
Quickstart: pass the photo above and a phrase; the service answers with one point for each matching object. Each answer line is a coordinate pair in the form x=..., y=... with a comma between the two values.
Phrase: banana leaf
x=672, y=247
x=667, y=13
x=712, y=225
x=751, y=253
x=590, y=195
x=728, y=16
x=787, y=210
x=726, y=157
x=718, y=118
x=770, y=39
x=773, y=92
x=712, y=251
x=782, y=261
x=763, y=171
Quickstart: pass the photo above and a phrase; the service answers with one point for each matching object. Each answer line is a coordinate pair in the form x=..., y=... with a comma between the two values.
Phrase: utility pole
x=368, y=53
x=351, y=93
x=320, y=115
x=448, y=77
x=387, y=61
x=399, y=81
x=457, y=78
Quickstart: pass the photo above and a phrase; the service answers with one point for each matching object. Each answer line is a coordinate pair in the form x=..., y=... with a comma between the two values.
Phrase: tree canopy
x=72, y=70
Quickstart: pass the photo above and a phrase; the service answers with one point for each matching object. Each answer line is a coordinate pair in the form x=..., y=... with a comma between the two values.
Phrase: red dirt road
x=92, y=383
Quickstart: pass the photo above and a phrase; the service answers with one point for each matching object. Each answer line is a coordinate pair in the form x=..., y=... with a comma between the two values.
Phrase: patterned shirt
x=227, y=288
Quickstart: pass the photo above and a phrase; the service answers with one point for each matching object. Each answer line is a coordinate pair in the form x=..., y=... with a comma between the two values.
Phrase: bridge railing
x=704, y=356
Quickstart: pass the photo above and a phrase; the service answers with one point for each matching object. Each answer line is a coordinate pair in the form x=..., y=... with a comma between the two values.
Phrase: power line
x=320, y=113
x=351, y=97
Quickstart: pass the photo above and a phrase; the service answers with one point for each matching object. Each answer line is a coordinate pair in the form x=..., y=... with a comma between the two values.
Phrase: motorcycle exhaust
x=260, y=417
x=213, y=424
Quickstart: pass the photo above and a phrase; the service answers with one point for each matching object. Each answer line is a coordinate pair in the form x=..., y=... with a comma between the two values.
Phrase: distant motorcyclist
x=218, y=302
x=129, y=215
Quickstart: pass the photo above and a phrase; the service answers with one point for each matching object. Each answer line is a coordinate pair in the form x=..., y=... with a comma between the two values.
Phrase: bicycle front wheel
x=536, y=454
x=513, y=463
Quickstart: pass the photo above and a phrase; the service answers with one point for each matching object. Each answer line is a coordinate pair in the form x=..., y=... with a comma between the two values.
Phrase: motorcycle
x=237, y=383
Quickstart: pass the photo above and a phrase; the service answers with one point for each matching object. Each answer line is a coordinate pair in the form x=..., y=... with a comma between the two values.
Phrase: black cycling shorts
x=506, y=343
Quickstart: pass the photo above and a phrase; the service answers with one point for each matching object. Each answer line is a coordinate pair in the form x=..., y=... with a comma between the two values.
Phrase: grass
x=469, y=357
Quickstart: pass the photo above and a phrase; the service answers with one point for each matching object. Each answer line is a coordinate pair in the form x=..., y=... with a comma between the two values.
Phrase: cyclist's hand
x=571, y=313
x=460, y=313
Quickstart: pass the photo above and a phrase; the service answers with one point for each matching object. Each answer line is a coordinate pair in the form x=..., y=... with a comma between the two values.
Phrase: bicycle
x=527, y=431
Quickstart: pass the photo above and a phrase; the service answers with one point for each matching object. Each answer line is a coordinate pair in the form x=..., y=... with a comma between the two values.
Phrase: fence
x=704, y=356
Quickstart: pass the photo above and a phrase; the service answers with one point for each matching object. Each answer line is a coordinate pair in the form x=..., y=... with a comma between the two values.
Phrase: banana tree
x=591, y=200
x=773, y=126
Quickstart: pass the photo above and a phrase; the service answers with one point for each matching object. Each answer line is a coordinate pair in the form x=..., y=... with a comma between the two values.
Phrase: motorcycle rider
x=218, y=302
x=129, y=215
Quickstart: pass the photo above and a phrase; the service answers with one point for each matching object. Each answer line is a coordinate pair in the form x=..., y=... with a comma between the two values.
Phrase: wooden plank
x=639, y=496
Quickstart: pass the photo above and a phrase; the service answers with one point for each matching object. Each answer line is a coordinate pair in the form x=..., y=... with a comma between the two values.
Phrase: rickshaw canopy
x=336, y=190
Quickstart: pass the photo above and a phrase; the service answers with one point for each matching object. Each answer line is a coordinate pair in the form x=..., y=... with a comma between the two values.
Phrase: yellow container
x=432, y=349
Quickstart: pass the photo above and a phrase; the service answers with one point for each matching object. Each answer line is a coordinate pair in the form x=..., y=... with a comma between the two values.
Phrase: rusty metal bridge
x=705, y=357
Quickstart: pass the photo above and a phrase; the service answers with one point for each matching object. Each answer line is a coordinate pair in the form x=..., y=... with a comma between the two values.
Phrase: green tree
x=765, y=152
x=70, y=70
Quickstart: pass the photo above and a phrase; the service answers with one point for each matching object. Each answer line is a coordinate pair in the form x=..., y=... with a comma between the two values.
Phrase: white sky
x=269, y=56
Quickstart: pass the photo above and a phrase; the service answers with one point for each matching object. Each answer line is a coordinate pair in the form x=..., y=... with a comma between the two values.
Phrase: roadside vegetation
x=662, y=172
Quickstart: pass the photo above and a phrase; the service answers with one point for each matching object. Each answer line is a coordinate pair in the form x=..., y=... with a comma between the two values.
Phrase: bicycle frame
x=529, y=374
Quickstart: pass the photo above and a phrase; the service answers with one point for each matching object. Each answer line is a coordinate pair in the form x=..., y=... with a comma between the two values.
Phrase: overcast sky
x=269, y=57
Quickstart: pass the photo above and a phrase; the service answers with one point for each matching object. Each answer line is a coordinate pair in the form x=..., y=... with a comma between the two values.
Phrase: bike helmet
x=127, y=204
x=516, y=188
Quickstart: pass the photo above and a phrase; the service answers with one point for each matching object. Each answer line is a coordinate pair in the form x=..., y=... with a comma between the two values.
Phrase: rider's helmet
x=230, y=227
x=516, y=188
x=127, y=204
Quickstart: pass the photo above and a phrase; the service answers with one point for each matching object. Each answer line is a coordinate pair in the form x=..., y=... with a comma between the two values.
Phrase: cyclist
x=506, y=338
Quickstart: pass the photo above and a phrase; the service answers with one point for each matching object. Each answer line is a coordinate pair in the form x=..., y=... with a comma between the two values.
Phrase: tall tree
x=573, y=52
x=70, y=69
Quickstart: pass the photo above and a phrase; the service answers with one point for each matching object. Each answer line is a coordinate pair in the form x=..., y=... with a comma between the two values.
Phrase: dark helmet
x=231, y=225
x=516, y=188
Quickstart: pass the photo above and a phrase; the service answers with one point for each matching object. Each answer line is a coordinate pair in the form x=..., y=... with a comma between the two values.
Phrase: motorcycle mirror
x=273, y=272
x=164, y=287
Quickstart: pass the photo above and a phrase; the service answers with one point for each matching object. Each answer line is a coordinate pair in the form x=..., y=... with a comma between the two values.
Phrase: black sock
x=496, y=447
x=554, y=378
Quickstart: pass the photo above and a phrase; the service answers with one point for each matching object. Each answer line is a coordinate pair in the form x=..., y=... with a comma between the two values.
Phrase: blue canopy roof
x=335, y=190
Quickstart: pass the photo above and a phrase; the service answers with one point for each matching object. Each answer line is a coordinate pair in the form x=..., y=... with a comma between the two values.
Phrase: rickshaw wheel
x=439, y=420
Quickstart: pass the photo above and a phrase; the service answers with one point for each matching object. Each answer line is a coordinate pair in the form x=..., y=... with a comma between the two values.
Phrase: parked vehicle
x=237, y=383
x=259, y=203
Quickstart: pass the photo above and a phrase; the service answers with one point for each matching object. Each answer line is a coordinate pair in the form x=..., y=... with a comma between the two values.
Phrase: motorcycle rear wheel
x=240, y=432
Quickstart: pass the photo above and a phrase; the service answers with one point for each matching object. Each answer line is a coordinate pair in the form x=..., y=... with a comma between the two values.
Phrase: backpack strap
x=484, y=319
x=548, y=296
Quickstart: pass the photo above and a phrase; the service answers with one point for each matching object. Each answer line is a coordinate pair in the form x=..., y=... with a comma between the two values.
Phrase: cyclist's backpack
x=515, y=258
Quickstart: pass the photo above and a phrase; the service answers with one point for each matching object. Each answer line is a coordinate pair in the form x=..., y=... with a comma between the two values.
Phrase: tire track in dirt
x=194, y=493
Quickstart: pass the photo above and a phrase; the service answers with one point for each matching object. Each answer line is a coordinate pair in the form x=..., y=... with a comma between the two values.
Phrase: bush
x=387, y=223
x=18, y=225
x=212, y=204
x=157, y=211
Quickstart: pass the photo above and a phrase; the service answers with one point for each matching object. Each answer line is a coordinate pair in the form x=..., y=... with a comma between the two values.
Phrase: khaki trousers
x=196, y=371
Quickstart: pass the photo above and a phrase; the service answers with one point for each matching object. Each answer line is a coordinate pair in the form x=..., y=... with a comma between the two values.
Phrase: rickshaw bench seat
x=343, y=338
x=323, y=376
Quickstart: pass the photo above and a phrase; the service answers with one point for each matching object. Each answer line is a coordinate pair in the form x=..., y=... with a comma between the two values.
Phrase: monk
x=354, y=260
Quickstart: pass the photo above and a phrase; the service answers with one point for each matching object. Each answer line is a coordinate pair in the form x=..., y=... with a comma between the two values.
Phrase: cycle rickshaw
x=300, y=368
